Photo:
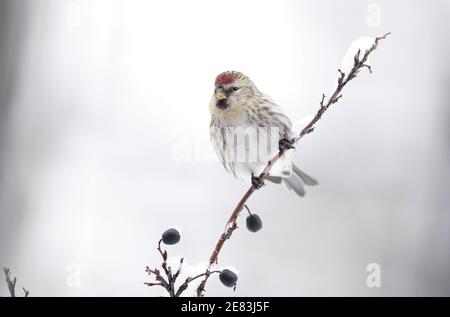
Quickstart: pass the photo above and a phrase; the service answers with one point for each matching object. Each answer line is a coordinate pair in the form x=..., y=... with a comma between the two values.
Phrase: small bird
x=248, y=129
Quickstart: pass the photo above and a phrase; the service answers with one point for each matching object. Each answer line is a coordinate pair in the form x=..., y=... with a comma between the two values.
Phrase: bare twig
x=185, y=285
x=175, y=276
x=342, y=82
x=154, y=284
x=359, y=63
x=170, y=280
x=26, y=292
x=168, y=283
x=11, y=283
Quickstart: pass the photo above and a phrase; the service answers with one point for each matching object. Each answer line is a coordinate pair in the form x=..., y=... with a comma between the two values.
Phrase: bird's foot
x=257, y=182
x=286, y=144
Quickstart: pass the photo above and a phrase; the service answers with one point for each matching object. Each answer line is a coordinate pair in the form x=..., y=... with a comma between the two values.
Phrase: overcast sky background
x=101, y=100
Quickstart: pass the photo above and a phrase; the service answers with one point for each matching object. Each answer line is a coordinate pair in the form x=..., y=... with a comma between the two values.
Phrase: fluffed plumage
x=246, y=127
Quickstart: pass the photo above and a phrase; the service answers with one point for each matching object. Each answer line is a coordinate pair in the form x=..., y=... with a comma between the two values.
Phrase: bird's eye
x=235, y=88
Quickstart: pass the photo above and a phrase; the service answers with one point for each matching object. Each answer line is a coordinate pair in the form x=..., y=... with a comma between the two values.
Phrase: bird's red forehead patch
x=225, y=78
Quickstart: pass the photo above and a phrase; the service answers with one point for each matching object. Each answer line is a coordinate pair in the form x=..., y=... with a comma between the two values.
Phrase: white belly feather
x=245, y=149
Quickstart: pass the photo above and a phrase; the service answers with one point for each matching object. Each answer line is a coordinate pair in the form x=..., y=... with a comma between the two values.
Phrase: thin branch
x=175, y=276
x=11, y=283
x=185, y=285
x=343, y=80
x=164, y=257
x=158, y=277
x=168, y=283
x=154, y=284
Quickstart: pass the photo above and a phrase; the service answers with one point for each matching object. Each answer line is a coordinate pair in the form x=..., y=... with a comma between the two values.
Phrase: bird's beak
x=221, y=99
x=220, y=95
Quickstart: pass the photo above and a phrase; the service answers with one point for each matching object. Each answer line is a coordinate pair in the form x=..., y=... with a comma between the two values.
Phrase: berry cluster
x=171, y=237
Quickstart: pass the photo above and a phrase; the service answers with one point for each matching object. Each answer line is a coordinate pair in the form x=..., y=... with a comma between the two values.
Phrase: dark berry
x=171, y=236
x=254, y=223
x=228, y=278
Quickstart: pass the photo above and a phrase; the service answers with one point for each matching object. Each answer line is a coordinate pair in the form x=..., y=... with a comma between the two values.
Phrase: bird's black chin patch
x=222, y=104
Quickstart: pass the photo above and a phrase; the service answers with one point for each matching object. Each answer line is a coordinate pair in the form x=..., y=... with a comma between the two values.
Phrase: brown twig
x=168, y=283
x=343, y=80
x=185, y=285
x=158, y=277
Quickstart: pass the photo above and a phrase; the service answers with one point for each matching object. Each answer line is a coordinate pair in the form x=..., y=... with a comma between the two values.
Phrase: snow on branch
x=359, y=62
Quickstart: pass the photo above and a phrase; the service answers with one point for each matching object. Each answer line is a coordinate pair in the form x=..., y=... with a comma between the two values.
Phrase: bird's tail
x=296, y=181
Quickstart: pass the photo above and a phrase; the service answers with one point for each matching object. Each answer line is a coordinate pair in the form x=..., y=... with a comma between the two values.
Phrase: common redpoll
x=248, y=129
